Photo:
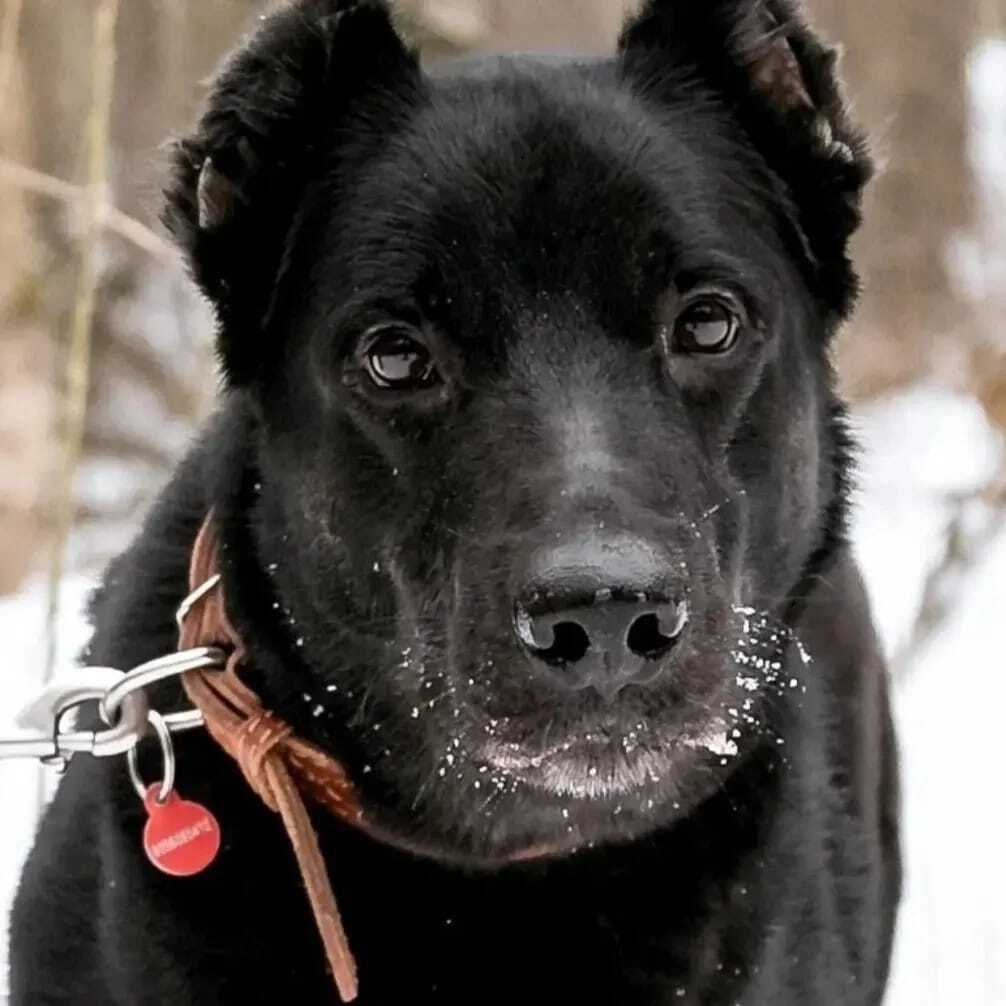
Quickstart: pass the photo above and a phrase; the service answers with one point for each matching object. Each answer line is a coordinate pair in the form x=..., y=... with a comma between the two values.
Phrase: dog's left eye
x=395, y=359
x=710, y=323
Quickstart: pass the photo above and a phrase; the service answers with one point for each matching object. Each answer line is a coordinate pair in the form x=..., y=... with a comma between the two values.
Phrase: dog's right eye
x=395, y=359
x=711, y=323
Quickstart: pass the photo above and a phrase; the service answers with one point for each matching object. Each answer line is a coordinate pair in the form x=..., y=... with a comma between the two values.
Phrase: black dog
x=531, y=479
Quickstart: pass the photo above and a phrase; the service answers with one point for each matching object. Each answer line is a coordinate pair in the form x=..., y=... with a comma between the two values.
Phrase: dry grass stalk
x=77, y=374
x=8, y=43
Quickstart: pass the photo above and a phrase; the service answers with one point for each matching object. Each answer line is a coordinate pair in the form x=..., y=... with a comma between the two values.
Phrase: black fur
x=725, y=834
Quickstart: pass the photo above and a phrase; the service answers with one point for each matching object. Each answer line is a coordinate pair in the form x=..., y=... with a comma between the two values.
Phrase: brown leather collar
x=277, y=765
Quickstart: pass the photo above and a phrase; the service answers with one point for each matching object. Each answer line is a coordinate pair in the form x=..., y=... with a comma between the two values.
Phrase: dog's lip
x=604, y=762
x=513, y=756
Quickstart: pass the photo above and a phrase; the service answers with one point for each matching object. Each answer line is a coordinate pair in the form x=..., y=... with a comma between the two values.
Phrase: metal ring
x=168, y=754
x=197, y=595
x=184, y=720
x=175, y=664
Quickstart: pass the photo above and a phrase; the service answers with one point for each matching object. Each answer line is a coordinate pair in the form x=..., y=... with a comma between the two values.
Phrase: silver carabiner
x=121, y=700
x=87, y=684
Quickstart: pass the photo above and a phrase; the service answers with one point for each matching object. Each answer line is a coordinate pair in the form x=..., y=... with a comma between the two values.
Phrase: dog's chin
x=519, y=796
x=597, y=784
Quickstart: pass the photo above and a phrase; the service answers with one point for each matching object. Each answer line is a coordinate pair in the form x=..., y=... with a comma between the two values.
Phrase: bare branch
x=964, y=546
x=106, y=216
x=135, y=448
x=145, y=368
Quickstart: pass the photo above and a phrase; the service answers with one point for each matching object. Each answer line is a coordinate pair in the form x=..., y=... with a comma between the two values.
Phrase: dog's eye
x=395, y=359
x=708, y=324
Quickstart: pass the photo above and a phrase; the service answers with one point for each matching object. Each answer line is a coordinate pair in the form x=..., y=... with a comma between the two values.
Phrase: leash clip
x=42, y=717
x=122, y=705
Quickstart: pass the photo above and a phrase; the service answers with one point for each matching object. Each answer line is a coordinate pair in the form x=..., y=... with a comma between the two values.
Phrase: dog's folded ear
x=274, y=111
x=773, y=73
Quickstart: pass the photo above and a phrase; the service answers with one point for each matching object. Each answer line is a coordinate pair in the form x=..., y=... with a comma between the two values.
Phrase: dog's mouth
x=509, y=766
x=607, y=758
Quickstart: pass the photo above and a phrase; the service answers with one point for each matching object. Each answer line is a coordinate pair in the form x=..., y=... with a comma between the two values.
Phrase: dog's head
x=545, y=442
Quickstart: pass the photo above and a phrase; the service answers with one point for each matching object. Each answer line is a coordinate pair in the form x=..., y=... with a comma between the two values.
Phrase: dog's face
x=545, y=443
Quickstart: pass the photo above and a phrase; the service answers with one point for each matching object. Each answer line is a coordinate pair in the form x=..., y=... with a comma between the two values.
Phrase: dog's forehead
x=528, y=149
x=520, y=176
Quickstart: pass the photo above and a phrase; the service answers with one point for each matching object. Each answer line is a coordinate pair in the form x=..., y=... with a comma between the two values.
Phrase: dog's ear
x=780, y=82
x=274, y=110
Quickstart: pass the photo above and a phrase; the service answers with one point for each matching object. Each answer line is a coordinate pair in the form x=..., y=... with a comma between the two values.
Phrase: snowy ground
x=951, y=948
x=949, y=704
x=22, y=624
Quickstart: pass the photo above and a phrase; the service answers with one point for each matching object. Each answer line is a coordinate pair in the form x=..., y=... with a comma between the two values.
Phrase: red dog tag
x=180, y=838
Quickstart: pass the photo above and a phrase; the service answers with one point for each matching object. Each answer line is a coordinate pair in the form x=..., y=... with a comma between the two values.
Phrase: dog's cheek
x=776, y=457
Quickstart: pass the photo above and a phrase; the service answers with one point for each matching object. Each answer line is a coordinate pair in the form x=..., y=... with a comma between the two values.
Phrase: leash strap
x=275, y=763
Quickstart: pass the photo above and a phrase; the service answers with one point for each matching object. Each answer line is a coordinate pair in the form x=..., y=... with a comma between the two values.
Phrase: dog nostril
x=570, y=644
x=646, y=639
x=560, y=643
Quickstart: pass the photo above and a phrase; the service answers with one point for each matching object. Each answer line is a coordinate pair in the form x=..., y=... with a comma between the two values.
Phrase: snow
x=919, y=448
x=949, y=705
x=952, y=941
x=22, y=629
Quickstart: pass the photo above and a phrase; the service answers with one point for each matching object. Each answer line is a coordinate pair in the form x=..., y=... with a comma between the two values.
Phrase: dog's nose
x=599, y=615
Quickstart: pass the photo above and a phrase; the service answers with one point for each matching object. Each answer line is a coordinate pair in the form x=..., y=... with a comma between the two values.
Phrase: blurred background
x=106, y=369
